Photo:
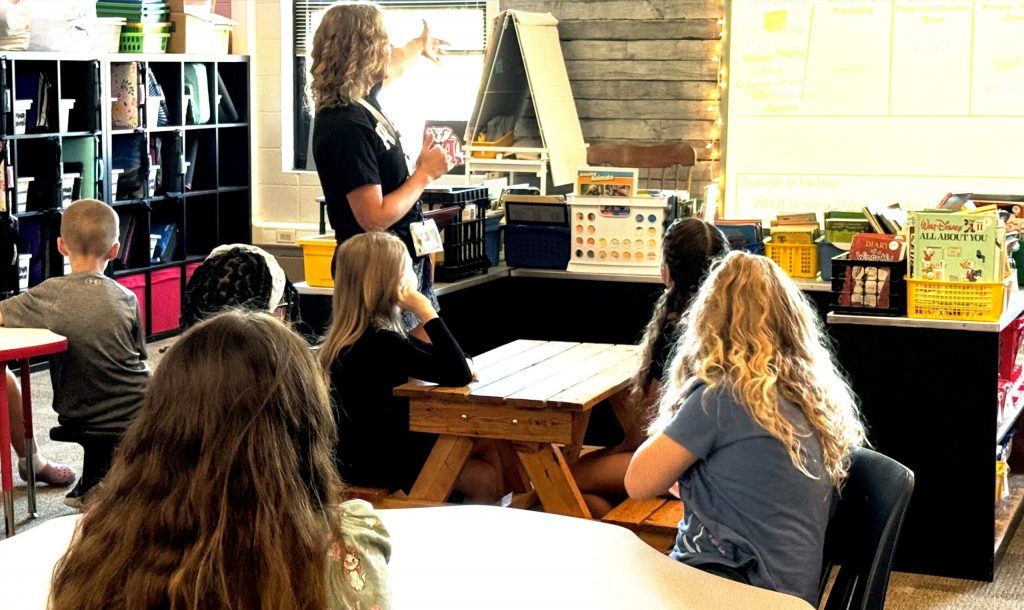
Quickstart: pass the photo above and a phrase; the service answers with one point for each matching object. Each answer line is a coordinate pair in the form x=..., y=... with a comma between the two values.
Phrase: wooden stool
x=654, y=521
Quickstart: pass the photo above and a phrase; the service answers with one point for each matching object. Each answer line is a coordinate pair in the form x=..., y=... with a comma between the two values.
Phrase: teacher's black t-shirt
x=352, y=149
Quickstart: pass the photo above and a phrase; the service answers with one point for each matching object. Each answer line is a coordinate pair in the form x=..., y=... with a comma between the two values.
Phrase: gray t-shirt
x=100, y=380
x=747, y=506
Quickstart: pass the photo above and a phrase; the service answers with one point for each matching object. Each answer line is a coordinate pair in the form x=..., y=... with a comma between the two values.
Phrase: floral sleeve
x=357, y=567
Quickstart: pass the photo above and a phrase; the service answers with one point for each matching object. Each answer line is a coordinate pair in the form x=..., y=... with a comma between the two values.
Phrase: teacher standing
x=365, y=175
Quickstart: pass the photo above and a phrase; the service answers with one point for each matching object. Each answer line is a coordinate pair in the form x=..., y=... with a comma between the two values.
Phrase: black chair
x=863, y=532
x=98, y=448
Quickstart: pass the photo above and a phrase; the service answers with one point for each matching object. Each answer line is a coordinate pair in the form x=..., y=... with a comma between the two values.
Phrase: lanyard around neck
x=383, y=120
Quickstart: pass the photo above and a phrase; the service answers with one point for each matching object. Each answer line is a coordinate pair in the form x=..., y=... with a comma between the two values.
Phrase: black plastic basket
x=844, y=279
x=537, y=246
x=464, y=250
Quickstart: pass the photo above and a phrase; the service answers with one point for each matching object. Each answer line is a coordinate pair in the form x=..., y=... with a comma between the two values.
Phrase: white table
x=477, y=557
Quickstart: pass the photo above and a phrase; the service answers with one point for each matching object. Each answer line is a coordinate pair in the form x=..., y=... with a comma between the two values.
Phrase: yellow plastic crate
x=972, y=302
x=798, y=260
x=317, y=253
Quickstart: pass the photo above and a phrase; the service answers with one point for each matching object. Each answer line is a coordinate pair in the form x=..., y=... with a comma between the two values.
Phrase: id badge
x=426, y=239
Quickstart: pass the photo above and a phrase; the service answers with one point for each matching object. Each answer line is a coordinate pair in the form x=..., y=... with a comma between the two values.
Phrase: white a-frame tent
x=524, y=64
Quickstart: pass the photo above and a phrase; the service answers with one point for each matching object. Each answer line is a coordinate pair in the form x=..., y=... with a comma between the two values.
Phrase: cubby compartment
x=200, y=225
x=126, y=95
x=129, y=167
x=133, y=235
x=166, y=222
x=167, y=76
x=80, y=92
x=201, y=160
x=79, y=155
x=165, y=299
x=234, y=156
x=37, y=236
x=165, y=154
x=234, y=218
x=39, y=159
x=37, y=81
x=232, y=85
x=199, y=94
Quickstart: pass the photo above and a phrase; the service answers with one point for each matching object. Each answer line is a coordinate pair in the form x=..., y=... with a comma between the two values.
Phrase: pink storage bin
x=137, y=284
x=165, y=289
x=189, y=270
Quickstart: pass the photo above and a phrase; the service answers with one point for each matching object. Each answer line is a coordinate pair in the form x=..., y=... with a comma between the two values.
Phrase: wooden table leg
x=552, y=480
x=442, y=467
x=571, y=452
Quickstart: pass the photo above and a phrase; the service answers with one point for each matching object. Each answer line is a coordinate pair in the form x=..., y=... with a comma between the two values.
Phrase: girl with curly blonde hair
x=756, y=424
x=364, y=173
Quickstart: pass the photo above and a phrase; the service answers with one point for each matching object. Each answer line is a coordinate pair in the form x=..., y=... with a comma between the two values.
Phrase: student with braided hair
x=688, y=249
x=238, y=276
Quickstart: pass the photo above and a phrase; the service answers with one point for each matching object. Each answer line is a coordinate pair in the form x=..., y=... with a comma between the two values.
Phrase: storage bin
x=137, y=284
x=189, y=270
x=492, y=239
x=69, y=188
x=317, y=253
x=1002, y=473
x=1011, y=356
x=165, y=289
x=536, y=246
x=66, y=105
x=972, y=302
x=462, y=237
x=145, y=37
x=107, y=33
x=826, y=252
x=21, y=198
x=798, y=260
x=846, y=283
x=617, y=234
x=21, y=108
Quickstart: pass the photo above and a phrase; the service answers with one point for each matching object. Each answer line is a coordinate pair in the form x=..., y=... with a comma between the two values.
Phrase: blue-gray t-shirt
x=747, y=506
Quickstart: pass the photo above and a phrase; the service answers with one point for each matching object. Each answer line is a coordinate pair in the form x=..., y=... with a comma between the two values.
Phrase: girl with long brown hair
x=223, y=493
x=688, y=249
x=756, y=425
x=367, y=353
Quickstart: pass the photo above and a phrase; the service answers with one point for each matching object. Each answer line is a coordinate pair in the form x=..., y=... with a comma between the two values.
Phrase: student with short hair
x=99, y=382
x=223, y=494
x=756, y=425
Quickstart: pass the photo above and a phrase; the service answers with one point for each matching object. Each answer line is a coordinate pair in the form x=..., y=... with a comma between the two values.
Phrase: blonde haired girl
x=363, y=170
x=367, y=354
x=223, y=493
x=757, y=425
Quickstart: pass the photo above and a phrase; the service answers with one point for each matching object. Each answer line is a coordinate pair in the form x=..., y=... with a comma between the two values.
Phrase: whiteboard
x=834, y=104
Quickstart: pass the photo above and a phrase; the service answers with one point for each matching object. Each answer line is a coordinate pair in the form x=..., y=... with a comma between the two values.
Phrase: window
x=446, y=92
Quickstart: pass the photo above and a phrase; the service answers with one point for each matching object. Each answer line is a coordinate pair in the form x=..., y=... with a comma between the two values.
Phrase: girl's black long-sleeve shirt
x=375, y=446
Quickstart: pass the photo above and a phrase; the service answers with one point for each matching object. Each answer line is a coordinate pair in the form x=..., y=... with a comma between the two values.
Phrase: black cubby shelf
x=171, y=165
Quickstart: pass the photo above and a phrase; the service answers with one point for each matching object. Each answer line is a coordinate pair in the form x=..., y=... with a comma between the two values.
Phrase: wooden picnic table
x=534, y=398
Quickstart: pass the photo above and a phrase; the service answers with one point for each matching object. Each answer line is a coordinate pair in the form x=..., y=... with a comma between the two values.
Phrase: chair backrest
x=864, y=530
x=678, y=158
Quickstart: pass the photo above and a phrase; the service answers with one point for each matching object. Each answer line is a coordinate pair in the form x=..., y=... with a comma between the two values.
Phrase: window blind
x=304, y=12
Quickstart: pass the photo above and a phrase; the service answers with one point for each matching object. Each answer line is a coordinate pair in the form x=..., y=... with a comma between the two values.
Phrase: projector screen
x=837, y=104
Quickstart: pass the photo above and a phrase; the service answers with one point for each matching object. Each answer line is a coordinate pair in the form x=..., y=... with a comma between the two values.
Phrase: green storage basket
x=145, y=37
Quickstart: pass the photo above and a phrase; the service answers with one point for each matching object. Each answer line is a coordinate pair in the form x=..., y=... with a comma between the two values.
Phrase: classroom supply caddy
x=798, y=260
x=536, y=231
x=620, y=235
x=463, y=235
x=967, y=301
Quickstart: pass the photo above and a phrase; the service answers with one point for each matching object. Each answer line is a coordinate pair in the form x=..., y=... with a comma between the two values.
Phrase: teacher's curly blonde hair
x=751, y=330
x=349, y=54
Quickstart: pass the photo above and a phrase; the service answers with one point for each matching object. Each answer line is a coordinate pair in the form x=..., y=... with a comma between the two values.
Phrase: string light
x=714, y=108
